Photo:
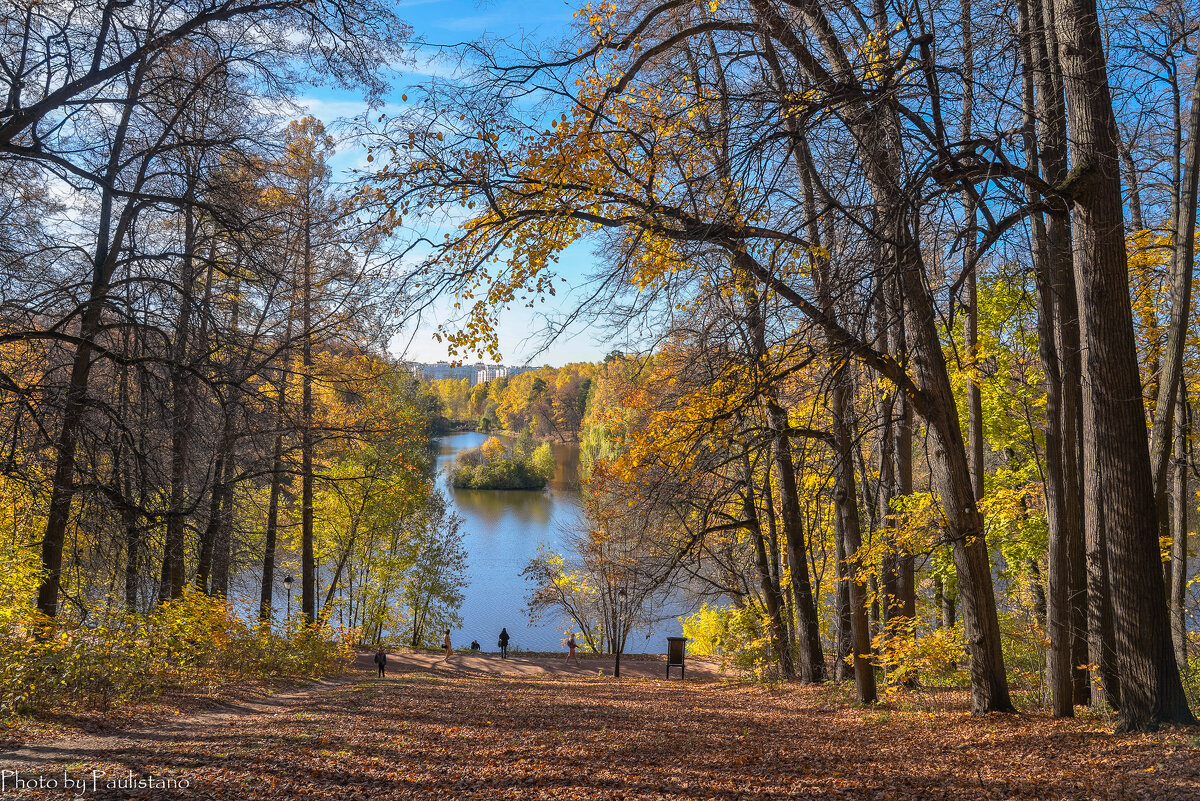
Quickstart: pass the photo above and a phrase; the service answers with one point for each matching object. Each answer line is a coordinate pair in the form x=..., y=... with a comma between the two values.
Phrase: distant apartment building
x=478, y=373
x=486, y=372
x=441, y=370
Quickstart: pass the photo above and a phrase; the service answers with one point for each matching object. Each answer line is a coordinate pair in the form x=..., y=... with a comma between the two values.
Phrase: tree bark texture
x=1114, y=419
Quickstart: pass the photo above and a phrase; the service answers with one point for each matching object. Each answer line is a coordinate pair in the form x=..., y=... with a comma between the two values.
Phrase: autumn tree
x=80, y=91
x=537, y=196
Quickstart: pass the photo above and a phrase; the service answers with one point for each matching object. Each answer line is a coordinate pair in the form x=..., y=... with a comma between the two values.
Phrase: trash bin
x=675, y=653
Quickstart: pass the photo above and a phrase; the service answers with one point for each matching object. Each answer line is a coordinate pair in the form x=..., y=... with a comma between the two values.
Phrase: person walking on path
x=449, y=650
x=503, y=643
x=571, y=648
x=381, y=660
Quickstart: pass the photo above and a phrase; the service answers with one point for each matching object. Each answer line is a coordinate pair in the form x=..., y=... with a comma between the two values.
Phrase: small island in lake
x=494, y=465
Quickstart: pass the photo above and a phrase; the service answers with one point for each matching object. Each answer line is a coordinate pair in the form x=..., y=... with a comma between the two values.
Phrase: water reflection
x=502, y=531
x=527, y=508
x=501, y=534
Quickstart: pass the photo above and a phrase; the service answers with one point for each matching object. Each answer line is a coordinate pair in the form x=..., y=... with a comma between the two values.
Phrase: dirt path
x=491, y=664
x=42, y=757
x=84, y=749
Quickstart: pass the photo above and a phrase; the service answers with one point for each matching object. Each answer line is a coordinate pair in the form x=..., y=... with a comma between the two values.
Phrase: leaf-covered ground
x=450, y=733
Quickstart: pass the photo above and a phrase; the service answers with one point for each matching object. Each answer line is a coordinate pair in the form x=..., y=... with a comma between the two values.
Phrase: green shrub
x=491, y=467
x=1024, y=642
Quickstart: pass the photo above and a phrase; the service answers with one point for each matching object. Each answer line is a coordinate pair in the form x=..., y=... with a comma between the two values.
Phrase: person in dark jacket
x=381, y=660
x=503, y=643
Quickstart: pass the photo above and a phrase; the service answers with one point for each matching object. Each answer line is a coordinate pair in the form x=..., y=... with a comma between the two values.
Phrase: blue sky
x=449, y=22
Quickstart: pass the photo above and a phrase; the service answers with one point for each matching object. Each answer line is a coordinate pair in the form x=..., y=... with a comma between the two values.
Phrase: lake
x=501, y=533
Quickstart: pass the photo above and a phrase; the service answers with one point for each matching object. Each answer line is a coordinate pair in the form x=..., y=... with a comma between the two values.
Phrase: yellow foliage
x=1149, y=259
x=703, y=628
x=908, y=647
x=120, y=657
x=493, y=448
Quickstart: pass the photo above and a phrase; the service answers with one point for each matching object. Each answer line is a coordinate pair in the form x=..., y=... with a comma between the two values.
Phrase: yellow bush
x=740, y=636
x=703, y=630
x=906, y=648
x=493, y=449
x=191, y=642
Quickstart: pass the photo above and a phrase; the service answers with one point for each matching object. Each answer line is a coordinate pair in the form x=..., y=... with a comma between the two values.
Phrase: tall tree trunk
x=950, y=468
x=1114, y=419
x=1087, y=618
x=1179, y=542
x=183, y=404
x=812, y=660
x=308, y=573
x=772, y=597
x=222, y=534
x=902, y=453
x=846, y=501
x=104, y=261
x=971, y=324
x=897, y=597
x=209, y=536
x=1182, y=261
x=227, y=469
x=267, y=587
x=123, y=468
x=1057, y=604
x=772, y=537
x=1058, y=610
x=952, y=476
x=885, y=443
x=266, y=594
x=133, y=544
x=844, y=649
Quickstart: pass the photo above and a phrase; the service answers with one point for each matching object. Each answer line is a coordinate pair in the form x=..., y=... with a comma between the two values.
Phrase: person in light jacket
x=571, y=655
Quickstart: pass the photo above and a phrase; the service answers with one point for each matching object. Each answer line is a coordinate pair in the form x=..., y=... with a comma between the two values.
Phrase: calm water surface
x=501, y=533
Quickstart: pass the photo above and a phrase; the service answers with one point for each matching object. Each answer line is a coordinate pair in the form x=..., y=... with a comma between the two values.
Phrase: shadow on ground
x=474, y=730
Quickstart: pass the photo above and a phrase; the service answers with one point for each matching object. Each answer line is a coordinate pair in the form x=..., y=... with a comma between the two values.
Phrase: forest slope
x=425, y=733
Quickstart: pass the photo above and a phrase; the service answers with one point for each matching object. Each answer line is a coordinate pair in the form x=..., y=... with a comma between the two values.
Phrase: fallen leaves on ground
x=436, y=735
